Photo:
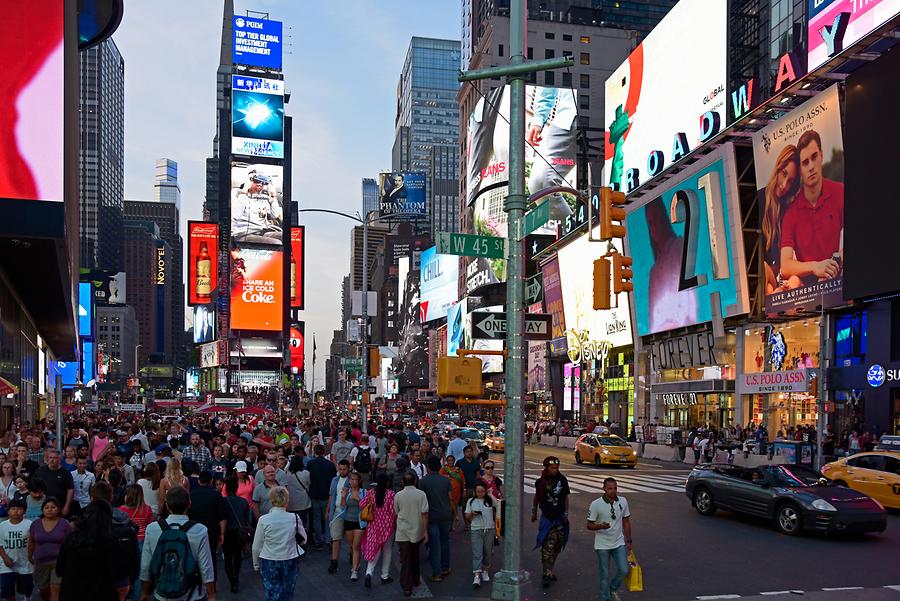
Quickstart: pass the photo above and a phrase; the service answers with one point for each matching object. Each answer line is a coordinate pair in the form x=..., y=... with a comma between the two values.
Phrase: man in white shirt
x=457, y=446
x=415, y=463
x=610, y=520
x=83, y=481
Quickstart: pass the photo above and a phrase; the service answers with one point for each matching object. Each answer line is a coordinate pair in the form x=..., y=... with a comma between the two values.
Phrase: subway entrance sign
x=471, y=245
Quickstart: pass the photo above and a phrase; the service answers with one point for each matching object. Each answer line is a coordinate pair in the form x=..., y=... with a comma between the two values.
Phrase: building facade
x=369, y=195
x=102, y=162
x=118, y=335
x=166, y=187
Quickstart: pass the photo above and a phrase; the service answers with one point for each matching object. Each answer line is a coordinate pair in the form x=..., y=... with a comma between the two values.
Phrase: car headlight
x=606, y=451
x=823, y=505
x=633, y=452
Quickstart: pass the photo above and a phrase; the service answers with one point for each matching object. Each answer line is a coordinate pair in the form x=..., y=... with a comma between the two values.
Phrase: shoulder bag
x=367, y=513
x=245, y=533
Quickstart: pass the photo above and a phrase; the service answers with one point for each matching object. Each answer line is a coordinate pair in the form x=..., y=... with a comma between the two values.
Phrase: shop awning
x=7, y=387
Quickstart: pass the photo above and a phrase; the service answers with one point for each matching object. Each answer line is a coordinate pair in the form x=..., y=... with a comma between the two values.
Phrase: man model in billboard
x=256, y=214
x=812, y=230
x=780, y=191
x=555, y=142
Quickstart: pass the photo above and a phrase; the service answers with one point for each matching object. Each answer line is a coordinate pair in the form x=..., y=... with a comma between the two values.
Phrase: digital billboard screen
x=85, y=310
x=297, y=271
x=257, y=117
x=109, y=287
x=297, y=347
x=799, y=161
x=31, y=102
x=88, y=367
x=203, y=244
x=403, y=195
x=838, y=24
x=257, y=42
x=204, y=323
x=654, y=112
x=257, y=289
x=687, y=246
x=257, y=203
x=439, y=276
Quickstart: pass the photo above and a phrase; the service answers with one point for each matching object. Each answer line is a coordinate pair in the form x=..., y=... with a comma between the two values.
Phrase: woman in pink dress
x=378, y=536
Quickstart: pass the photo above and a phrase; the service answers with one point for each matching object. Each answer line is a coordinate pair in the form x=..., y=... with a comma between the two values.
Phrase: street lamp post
x=363, y=417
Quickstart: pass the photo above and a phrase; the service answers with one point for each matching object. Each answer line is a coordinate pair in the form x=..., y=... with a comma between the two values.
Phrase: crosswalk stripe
x=625, y=485
x=593, y=483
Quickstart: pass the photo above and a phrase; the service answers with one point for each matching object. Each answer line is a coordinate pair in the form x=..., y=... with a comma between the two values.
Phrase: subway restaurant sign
x=792, y=380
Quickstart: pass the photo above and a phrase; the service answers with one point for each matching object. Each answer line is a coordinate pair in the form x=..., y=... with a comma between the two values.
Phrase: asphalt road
x=684, y=555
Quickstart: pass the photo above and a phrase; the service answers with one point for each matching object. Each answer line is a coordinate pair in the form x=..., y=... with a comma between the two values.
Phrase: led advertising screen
x=838, y=24
x=257, y=42
x=403, y=195
x=108, y=286
x=439, y=281
x=413, y=345
x=687, y=246
x=257, y=117
x=209, y=355
x=297, y=271
x=655, y=113
x=67, y=369
x=31, y=102
x=88, y=367
x=551, y=130
x=257, y=203
x=257, y=289
x=799, y=163
x=576, y=272
x=204, y=323
x=297, y=347
x=456, y=333
x=553, y=297
x=85, y=310
x=203, y=244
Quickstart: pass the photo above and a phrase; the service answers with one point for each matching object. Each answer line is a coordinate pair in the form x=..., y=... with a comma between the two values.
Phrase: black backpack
x=363, y=461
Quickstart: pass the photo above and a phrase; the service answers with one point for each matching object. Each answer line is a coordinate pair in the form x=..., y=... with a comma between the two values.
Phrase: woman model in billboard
x=779, y=193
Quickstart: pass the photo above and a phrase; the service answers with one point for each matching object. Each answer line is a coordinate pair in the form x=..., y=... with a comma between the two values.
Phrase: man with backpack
x=176, y=564
x=362, y=458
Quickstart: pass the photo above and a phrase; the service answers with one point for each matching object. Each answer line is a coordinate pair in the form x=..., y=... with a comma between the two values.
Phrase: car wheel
x=578, y=458
x=597, y=461
x=631, y=467
x=703, y=501
x=788, y=519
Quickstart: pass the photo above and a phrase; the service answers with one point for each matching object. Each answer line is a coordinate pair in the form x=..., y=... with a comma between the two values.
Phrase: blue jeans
x=439, y=546
x=618, y=555
x=278, y=578
x=320, y=532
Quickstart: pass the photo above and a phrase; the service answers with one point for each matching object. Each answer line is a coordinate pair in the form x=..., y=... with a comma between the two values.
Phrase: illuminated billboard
x=439, y=276
x=257, y=203
x=204, y=323
x=209, y=355
x=297, y=271
x=85, y=310
x=257, y=117
x=203, y=242
x=88, y=367
x=656, y=112
x=838, y=24
x=31, y=102
x=687, y=247
x=402, y=195
x=799, y=161
x=297, y=347
x=257, y=42
x=108, y=286
x=257, y=289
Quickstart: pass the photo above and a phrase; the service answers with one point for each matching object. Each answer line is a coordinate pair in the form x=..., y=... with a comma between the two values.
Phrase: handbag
x=299, y=537
x=367, y=513
x=245, y=533
x=635, y=575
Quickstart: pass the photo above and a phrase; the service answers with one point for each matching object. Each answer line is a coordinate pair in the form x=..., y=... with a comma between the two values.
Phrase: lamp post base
x=509, y=586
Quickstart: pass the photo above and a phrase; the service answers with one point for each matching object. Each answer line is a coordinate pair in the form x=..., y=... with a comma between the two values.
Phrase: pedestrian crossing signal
x=459, y=376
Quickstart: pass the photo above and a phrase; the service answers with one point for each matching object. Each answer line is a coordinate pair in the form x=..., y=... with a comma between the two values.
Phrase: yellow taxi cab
x=495, y=442
x=876, y=473
x=604, y=449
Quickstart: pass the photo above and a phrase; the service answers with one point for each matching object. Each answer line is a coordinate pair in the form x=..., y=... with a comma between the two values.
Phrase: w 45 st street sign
x=471, y=245
x=492, y=326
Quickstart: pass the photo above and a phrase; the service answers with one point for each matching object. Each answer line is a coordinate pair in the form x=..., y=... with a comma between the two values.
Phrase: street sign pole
x=510, y=582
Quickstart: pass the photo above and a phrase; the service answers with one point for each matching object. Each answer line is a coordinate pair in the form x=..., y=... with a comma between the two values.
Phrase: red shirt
x=814, y=232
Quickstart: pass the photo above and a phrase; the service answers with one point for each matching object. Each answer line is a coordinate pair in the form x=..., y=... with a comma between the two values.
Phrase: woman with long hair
x=239, y=519
x=378, y=536
x=84, y=561
x=174, y=477
x=351, y=502
x=457, y=485
x=481, y=517
x=45, y=539
x=141, y=514
x=784, y=183
x=7, y=484
x=150, y=485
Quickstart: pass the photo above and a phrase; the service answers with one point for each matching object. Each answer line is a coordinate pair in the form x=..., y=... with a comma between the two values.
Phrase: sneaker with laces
x=354, y=575
x=477, y=582
x=485, y=577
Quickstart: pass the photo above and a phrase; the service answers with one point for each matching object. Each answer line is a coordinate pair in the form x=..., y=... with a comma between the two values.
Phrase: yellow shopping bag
x=635, y=575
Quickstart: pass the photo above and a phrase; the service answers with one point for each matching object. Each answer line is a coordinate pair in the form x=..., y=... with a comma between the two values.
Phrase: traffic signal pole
x=509, y=582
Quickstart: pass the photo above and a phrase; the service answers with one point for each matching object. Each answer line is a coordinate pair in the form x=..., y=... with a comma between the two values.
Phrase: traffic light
x=622, y=273
x=459, y=376
x=601, y=284
x=374, y=362
x=611, y=202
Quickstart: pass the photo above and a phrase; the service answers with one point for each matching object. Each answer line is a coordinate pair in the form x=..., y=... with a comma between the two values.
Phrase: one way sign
x=492, y=326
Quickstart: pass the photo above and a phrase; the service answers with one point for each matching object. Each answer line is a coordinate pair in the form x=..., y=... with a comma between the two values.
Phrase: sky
x=342, y=63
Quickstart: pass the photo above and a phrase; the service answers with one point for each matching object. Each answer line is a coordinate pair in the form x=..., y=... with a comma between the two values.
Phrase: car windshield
x=470, y=433
x=611, y=441
x=794, y=476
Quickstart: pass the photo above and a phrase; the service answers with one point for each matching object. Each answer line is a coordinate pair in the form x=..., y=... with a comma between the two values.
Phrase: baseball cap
x=259, y=178
x=240, y=466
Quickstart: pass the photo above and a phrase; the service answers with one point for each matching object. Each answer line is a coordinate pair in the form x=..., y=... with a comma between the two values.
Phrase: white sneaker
x=614, y=595
x=485, y=577
x=477, y=582
x=354, y=575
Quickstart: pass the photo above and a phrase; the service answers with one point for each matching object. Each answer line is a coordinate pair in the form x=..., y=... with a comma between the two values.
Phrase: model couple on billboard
x=803, y=222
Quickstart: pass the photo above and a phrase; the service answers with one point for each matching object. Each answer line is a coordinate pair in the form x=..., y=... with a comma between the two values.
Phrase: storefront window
x=691, y=410
x=850, y=339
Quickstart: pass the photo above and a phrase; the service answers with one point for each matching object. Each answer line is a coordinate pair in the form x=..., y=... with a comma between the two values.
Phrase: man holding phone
x=610, y=519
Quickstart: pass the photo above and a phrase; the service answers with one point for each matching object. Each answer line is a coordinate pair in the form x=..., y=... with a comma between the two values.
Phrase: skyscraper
x=427, y=121
x=369, y=196
x=166, y=188
x=102, y=163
